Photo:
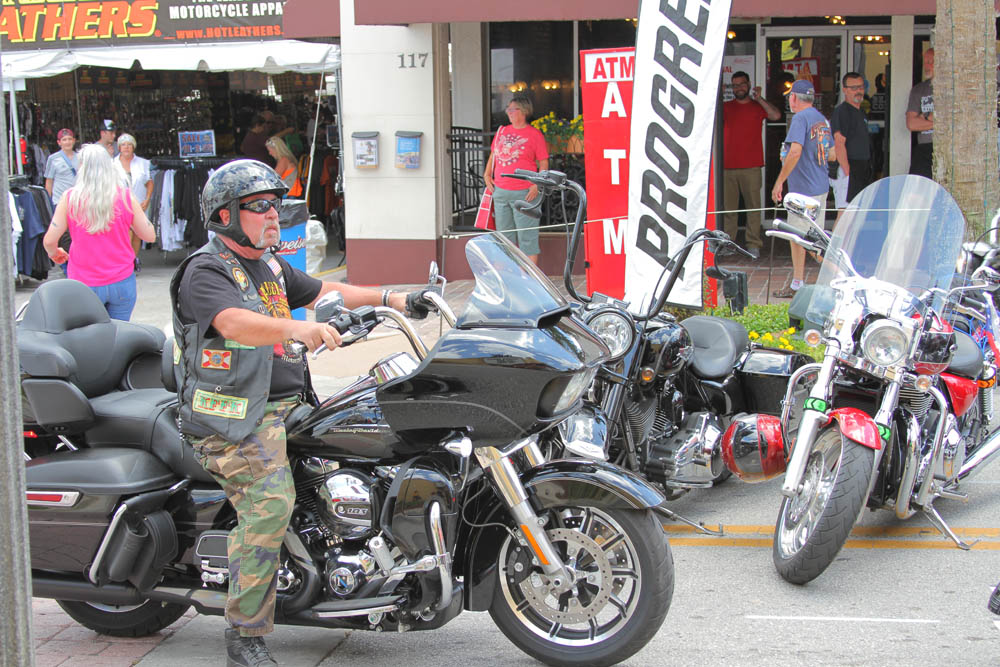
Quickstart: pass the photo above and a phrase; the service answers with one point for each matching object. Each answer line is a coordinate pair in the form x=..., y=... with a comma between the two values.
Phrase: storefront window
x=534, y=58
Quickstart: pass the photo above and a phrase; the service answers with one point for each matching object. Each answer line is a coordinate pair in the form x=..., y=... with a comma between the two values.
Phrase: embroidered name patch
x=216, y=359
x=219, y=405
x=233, y=345
x=177, y=354
x=240, y=278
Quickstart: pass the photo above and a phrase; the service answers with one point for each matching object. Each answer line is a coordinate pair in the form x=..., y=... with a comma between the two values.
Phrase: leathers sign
x=679, y=47
x=41, y=24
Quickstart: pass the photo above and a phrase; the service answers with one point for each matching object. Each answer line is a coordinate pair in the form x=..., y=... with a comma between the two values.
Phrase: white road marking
x=843, y=619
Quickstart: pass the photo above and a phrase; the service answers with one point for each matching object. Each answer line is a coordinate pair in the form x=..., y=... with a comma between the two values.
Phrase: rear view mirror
x=988, y=276
x=803, y=206
x=329, y=306
x=432, y=275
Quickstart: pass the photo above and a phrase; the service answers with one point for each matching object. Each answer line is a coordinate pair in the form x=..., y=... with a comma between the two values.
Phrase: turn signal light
x=813, y=338
x=923, y=383
x=986, y=384
x=30, y=434
x=647, y=374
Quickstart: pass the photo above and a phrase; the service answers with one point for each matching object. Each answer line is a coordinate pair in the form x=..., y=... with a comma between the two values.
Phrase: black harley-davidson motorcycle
x=420, y=488
x=662, y=400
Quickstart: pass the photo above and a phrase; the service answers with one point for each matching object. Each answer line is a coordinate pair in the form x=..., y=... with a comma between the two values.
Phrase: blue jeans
x=118, y=298
x=519, y=228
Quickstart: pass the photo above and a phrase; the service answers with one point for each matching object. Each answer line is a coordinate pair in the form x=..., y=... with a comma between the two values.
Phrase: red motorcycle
x=898, y=413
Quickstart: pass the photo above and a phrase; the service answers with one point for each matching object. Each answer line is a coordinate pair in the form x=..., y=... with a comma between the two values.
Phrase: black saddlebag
x=73, y=496
x=764, y=374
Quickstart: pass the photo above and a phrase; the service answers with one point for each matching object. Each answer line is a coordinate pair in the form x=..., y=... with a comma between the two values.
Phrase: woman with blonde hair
x=99, y=212
x=286, y=166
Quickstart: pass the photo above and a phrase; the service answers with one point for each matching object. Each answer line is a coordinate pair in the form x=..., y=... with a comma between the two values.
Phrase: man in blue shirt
x=804, y=155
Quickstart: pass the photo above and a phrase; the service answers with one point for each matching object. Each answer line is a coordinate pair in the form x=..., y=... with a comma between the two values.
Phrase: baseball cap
x=802, y=87
x=107, y=125
x=65, y=132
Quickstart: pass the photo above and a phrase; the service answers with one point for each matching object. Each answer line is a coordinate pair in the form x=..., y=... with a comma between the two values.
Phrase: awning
x=271, y=57
x=400, y=12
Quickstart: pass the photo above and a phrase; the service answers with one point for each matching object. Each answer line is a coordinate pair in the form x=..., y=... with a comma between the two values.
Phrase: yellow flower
x=783, y=341
x=753, y=335
x=790, y=330
x=767, y=337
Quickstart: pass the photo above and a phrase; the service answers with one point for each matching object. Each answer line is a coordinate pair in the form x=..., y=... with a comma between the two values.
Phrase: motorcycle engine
x=346, y=504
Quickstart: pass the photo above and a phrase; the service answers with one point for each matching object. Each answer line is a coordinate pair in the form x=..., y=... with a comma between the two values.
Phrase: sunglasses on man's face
x=261, y=206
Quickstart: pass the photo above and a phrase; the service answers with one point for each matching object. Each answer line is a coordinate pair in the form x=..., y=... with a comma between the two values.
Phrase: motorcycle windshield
x=510, y=291
x=905, y=230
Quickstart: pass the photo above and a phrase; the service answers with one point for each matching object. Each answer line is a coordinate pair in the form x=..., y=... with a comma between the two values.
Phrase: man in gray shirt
x=61, y=166
x=920, y=119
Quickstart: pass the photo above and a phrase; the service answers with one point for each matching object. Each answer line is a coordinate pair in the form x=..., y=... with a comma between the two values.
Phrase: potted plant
x=562, y=135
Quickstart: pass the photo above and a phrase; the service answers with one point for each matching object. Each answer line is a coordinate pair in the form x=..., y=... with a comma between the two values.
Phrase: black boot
x=246, y=651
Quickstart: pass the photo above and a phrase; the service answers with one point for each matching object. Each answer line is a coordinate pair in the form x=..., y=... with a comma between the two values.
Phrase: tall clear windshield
x=905, y=230
x=510, y=291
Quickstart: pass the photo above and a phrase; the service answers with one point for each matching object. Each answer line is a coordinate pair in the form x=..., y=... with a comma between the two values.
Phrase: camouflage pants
x=256, y=477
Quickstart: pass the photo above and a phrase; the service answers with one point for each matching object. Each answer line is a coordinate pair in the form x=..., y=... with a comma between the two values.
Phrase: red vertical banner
x=606, y=92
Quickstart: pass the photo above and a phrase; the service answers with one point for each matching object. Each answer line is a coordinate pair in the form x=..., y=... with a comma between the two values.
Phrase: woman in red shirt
x=516, y=146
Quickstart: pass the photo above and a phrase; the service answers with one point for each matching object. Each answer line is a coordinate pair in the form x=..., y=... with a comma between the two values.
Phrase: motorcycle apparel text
x=222, y=384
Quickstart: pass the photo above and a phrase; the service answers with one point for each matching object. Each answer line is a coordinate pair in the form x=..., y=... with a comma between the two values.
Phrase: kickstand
x=938, y=522
x=699, y=526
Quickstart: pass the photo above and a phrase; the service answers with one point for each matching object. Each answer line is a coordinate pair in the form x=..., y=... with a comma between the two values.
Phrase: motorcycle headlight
x=884, y=343
x=615, y=329
x=577, y=384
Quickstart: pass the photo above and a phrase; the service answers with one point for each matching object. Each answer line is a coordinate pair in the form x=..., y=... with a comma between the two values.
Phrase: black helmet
x=230, y=183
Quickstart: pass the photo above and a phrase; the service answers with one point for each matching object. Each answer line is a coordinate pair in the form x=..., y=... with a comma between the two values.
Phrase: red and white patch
x=216, y=359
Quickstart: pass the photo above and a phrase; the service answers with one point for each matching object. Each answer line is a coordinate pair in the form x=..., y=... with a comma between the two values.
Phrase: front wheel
x=623, y=584
x=813, y=525
x=124, y=620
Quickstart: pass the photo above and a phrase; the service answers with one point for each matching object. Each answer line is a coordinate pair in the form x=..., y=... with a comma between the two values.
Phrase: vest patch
x=241, y=279
x=216, y=359
x=220, y=405
x=233, y=345
x=177, y=353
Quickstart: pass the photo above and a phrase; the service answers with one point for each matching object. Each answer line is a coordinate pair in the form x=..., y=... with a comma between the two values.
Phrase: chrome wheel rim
x=801, y=513
x=115, y=608
x=604, y=595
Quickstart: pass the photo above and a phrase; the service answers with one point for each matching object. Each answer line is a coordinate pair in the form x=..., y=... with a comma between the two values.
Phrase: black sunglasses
x=261, y=206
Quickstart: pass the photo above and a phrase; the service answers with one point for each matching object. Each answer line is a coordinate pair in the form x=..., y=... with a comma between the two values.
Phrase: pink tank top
x=105, y=258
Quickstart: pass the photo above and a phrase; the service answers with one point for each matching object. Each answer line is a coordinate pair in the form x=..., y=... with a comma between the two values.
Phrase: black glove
x=416, y=307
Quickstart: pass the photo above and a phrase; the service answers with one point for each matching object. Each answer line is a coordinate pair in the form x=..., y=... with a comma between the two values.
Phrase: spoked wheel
x=623, y=581
x=135, y=620
x=813, y=526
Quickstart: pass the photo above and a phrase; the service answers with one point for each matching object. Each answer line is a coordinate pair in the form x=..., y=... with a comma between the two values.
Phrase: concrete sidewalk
x=197, y=640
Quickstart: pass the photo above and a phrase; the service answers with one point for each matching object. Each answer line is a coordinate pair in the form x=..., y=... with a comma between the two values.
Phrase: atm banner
x=41, y=24
x=606, y=90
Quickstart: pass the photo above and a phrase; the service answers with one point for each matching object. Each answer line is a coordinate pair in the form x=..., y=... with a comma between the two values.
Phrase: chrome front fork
x=812, y=419
x=531, y=528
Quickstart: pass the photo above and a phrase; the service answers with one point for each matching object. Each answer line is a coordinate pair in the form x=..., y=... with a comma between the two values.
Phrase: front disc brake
x=553, y=604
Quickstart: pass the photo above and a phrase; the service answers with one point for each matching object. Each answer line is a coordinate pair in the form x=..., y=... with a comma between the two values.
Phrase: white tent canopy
x=270, y=57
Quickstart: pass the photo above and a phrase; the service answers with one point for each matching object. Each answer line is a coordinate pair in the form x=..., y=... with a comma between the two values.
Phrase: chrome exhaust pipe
x=986, y=452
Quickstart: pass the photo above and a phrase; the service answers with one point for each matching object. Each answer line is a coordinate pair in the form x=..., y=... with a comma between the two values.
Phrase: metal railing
x=470, y=149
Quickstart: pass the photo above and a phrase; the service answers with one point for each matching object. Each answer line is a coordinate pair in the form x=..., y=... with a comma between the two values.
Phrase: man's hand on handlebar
x=417, y=307
x=315, y=334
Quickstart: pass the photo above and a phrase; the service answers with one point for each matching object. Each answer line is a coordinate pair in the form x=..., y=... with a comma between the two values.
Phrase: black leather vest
x=222, y=385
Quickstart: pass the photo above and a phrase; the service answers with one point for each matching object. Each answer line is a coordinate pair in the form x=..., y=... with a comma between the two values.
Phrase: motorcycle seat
x=717, y=342
x=145, y=419
x=67, y=333
x=968, y=359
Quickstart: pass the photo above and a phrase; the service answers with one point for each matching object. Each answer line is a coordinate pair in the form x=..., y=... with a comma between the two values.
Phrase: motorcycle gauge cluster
x=614, y=328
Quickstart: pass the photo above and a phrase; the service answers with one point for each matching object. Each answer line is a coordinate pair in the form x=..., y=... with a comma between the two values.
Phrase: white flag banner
x=678, y=59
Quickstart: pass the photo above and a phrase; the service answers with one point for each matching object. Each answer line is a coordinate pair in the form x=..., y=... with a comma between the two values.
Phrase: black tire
x=654, y=588
x=125, y=620
x=803, y=549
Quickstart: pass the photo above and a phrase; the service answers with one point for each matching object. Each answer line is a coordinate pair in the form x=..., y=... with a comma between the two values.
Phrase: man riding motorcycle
x=238, y=376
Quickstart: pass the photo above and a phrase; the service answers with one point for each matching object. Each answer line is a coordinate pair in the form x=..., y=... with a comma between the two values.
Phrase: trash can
x=293, y=218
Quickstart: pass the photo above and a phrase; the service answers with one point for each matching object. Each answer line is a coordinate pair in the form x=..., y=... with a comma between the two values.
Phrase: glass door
x=788, y=54
x=869, y=55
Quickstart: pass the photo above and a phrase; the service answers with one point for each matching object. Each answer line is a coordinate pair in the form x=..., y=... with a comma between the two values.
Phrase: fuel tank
x=349, y=423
